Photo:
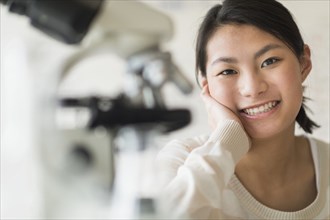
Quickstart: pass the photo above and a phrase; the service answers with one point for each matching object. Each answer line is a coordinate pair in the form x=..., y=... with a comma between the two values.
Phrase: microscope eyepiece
x=66, y=21
x=18, y=7
x=4, y=1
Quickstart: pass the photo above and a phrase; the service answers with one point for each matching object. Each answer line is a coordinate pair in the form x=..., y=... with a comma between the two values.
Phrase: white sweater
x=201, y=184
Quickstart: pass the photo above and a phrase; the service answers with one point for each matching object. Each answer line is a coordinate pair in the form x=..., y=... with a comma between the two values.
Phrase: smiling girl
x=251, y=61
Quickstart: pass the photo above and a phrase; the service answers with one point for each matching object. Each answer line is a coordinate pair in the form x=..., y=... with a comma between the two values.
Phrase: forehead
x=238, y=38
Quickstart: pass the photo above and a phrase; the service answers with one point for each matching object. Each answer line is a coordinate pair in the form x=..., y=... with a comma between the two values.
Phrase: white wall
x=103, y=75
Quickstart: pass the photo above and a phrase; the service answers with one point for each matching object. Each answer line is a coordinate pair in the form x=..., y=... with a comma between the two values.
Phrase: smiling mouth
x=261, y=109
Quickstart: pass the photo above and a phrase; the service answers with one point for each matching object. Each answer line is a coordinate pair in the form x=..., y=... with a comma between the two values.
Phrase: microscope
x=100, y=166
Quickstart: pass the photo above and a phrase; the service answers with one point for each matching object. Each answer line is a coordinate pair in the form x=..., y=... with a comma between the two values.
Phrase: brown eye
x=228, y=72
x=269, y=61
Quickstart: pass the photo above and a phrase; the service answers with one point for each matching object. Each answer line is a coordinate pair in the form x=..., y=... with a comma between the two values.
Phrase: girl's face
x=256, y=76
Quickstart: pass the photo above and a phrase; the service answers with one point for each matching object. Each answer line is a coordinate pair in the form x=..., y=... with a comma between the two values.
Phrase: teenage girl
x=251, y=61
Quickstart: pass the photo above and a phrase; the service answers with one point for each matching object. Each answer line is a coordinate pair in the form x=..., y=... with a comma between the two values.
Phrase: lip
x=259, y=104
x=261, y=114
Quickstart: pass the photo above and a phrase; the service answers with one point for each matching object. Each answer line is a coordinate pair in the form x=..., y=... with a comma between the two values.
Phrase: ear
x=306, y=63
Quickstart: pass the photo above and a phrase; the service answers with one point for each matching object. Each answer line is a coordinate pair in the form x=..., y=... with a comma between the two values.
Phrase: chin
x=272, y=131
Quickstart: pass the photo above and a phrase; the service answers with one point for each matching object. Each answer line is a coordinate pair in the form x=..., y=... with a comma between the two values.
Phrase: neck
x=276, y=170
x=272, y=157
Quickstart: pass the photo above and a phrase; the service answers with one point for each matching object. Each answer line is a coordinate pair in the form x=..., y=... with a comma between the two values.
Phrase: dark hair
x=269, y=16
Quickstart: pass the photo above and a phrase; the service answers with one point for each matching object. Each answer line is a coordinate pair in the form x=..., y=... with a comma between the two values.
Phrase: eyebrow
x=265, y=49
x=258, y=54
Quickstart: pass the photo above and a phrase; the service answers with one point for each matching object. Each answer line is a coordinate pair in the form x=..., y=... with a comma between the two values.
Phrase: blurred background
x=103, y=75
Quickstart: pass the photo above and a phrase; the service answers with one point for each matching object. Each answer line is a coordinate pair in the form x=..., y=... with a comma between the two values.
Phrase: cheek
x=290, y=87
x=292, y=84
x=290, y=76
x=222, y=93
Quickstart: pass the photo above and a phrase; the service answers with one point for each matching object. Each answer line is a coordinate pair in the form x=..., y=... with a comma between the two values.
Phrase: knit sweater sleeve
x=198, y=171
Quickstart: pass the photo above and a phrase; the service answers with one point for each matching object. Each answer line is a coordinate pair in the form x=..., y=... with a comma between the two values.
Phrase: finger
x=206, y=89
x=203, y=91
x=207, y=98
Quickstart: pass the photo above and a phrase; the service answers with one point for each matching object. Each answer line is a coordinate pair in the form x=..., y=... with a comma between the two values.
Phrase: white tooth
x=261, y=109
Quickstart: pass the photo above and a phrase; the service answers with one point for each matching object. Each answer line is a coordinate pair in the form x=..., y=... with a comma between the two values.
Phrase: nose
x=252, y=84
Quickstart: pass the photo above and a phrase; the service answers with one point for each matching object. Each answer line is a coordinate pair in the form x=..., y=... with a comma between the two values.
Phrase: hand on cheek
x=217, y=112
